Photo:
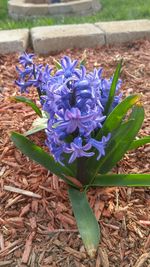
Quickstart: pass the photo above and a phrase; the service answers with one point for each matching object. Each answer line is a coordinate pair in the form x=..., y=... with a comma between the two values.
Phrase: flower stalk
x=81, y=170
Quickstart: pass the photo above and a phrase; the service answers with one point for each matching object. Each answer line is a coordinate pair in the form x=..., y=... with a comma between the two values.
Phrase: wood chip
x=144, y=257
x=2, y=246
x=33, y=223
x=74, y=181
x=25, y=210
x=98, y=260
x=11, y=164
x=145, y=222
x=79, y=255
x=66, y=219
x=21, y=191
x=5, y=263
x=98, y=208
x=103, y=257
x=12, y=201
x=147, y=243
x=7, y=249
x=111, y=226
x=28, y=247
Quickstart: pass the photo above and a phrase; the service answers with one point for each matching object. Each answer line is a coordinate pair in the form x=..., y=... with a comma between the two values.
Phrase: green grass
x=111, y=10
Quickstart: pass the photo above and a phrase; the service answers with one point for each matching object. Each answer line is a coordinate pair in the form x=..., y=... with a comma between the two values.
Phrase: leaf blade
x=140, y=142
x=113, y=87
x=122, y=180
x=122, y=140
x=57, y=64
x=39, y=124
x=30, y=103
x=115, y=118
x=118, y=144
x=86, y=221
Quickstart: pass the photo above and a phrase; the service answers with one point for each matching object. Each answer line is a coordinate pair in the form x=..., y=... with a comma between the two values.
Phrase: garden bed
x=41, y=230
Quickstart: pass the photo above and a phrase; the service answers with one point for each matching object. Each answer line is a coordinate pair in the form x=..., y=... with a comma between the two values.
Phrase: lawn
x=111, y=10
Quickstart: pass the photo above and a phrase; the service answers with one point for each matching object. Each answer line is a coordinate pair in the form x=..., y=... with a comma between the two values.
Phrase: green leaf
x=35, y=130
x=115, y=118
x=111, y=123
x=37, y=154
x=39, y=124
x=119, y=143
x=84, y=59
x=121, y=140
x=122, y=180
x=86, y=221
x=30, y=103
x=57, y=64
x=113, y=88
x=140, y=142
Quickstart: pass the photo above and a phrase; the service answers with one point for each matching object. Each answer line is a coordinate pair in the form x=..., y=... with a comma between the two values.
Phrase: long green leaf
x=30, y=103
x=112, y=122
x=115, y=118
x=113, y=88
x=122, y=180
x=37, y=154
x=86, y=221
x=121, y=140
x=140, y=142
x=119, y=143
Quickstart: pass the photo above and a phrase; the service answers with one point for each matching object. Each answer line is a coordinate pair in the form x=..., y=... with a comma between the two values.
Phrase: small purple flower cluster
x=75, y=102
x=31, y=74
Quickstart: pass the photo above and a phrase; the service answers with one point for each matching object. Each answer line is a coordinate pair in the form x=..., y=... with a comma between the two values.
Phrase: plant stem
x=38, y=89
x=81, y=170
x=39, y=92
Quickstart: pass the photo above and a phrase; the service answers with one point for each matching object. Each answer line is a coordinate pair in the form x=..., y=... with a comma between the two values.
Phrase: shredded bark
x=37, y=226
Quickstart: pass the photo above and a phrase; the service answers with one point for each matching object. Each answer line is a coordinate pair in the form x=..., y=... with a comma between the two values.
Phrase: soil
x=41, y=230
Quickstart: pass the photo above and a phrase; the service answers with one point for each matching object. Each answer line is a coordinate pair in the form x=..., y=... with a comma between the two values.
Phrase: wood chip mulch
x=37, y=227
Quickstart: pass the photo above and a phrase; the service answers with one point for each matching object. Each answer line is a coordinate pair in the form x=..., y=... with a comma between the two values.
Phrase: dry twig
x=21, y=191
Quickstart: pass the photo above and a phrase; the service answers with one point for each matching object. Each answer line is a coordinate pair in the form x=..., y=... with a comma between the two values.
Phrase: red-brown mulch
x=41, y=230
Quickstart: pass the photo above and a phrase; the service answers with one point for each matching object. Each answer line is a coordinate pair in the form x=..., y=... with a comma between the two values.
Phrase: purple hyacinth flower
x=74, y=101
x=100, y=145
x=78, y=150
x=28, y=71
x=73, y=119
x=24, y=85
x=26, y=59
x=68, y=67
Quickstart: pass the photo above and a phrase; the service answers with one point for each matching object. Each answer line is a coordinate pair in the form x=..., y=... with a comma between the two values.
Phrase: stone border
x=20, y=8
x=12, y=41
x=53, y=39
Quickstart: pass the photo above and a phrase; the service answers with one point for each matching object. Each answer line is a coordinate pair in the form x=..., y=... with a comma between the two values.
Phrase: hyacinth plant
x=89, y=128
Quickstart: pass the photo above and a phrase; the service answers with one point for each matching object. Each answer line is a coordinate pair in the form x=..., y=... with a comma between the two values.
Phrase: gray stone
x=20, y=8
x=13, y=41
x=57, y=9
x=117, y=32
x=57, y=38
